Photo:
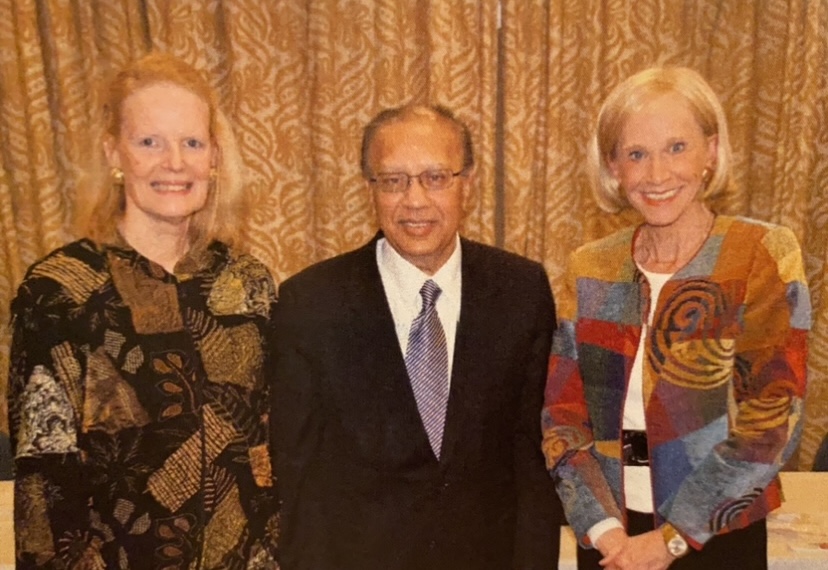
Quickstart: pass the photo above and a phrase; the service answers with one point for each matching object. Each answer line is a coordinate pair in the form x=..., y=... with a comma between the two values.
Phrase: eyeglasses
x=398, y=182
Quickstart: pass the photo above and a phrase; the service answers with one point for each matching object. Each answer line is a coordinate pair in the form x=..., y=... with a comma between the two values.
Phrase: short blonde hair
x=101, y=202
x=632, y=95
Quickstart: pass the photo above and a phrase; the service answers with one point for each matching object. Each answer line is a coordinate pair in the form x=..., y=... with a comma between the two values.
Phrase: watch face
x=677, y=546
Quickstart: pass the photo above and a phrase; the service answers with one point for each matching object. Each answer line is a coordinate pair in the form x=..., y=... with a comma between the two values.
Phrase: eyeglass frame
x=410, y=177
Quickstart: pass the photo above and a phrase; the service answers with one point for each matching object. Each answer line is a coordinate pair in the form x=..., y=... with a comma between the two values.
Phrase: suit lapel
x=476, y=314
x=376, y=349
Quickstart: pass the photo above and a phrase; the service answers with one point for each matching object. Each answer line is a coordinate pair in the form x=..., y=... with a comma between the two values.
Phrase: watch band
x=675, y=543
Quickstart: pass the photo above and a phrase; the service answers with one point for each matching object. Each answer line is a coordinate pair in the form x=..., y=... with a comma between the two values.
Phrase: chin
x=659, y=222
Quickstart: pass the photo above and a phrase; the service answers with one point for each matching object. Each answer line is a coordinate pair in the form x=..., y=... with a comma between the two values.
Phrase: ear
x=712, y=151
x=467, y=181
x=113, y=157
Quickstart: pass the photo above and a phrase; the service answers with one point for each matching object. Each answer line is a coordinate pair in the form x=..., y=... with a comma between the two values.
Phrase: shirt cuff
x=597, y=530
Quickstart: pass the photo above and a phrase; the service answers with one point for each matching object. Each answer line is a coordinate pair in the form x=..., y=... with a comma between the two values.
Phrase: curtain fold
x=300, y=78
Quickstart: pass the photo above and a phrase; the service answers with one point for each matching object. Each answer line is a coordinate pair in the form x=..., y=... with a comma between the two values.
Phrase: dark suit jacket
x=360, y=486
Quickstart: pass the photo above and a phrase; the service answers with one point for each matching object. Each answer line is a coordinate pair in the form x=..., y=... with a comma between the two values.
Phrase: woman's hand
x=611, y=543
x=643, y=552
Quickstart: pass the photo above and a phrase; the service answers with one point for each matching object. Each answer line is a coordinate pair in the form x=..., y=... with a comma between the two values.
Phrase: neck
x=666, y=249
x=164, y=244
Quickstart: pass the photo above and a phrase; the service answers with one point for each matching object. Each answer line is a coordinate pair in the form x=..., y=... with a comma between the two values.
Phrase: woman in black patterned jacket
x=137, y=406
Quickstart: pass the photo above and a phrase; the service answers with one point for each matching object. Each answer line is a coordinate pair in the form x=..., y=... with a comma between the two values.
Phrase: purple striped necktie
x=426, y=360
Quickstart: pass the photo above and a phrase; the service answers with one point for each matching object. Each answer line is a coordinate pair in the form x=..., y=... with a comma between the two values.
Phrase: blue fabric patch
x=604, y=390
x=609, y=302
x=563, y=342
x=800, y=304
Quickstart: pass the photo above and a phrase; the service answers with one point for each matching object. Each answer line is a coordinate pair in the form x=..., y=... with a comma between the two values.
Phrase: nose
x=415, y=195
x=659, y=169
x=174, y=160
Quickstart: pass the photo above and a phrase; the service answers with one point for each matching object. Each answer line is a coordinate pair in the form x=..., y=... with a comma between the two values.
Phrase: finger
x=609, y=559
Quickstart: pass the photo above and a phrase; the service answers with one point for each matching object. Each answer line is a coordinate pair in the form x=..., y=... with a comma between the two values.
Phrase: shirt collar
x=408, y=279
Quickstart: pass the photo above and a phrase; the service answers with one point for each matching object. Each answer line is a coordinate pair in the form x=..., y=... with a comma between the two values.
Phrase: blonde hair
x=100, y=203
x=632, y=95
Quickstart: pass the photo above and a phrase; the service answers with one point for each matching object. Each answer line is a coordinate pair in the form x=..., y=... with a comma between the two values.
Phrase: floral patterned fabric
x=139, y=412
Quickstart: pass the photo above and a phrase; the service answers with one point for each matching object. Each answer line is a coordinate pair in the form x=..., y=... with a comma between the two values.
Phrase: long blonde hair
x=100, y=203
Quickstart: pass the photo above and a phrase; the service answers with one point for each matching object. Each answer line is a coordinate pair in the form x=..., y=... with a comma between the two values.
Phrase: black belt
x=634, y=450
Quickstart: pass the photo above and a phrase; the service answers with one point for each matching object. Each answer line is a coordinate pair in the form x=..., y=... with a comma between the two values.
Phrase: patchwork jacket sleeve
x=567, y=432
x=768, y=389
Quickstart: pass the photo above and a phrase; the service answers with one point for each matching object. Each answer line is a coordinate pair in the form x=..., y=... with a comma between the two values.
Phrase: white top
x=638, y=487
x=402, y=282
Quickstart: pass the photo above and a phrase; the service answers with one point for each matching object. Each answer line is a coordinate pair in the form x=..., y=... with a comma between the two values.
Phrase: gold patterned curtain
x=300, y=78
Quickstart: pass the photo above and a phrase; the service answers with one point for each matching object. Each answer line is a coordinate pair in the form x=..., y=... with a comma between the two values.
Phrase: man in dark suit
x=410, y=378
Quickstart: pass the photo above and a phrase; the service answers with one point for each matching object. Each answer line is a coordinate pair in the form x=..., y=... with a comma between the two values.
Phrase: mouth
x=660, y=196
x=417, y=226
x=171, y=187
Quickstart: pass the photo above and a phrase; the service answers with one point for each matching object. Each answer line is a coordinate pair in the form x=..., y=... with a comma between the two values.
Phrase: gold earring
x=117, y=175
x=707, y=174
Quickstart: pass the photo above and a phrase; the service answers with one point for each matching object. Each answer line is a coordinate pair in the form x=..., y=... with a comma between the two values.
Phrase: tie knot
x=430, y=291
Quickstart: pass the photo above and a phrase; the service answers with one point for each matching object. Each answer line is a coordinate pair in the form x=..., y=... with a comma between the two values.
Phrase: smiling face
x=420, y=224
x=165, y=152
x=660, y=159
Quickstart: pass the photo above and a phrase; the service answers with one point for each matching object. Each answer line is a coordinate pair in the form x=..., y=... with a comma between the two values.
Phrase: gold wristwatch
x=676, y=545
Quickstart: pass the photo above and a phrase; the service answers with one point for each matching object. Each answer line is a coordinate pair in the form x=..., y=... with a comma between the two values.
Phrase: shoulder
x=476, y=254
x=500, y=274
x=773, y=249
x=238, y=283
x=611, y=245
x=76, y=270
x=81, y=252
x=67, y=276
x=773, y=237
x=313, y=302
x=770, y=243
x=329, y=275
x=607, y=258
x=242, y=265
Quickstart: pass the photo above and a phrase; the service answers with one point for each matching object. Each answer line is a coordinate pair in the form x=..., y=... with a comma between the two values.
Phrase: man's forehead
x=407, y=129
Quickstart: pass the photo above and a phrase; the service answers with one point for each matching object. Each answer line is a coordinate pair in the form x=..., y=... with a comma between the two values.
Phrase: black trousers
x=745, y=549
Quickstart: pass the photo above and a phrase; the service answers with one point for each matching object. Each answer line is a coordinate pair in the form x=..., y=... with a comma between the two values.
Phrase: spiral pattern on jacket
x=686, y=346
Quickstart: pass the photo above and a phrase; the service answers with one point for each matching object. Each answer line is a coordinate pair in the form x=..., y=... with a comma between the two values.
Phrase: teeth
x=661, y=196
x=170, y=187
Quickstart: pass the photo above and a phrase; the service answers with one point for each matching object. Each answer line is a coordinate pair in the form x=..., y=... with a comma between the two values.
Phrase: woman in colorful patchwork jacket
x=137, y=403
x=677, y=374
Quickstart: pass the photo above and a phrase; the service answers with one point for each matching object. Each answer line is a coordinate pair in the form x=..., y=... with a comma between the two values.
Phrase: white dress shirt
x=402, y=282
